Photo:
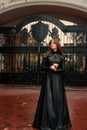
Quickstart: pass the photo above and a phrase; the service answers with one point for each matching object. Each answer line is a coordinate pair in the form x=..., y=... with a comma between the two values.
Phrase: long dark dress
x=52, y=110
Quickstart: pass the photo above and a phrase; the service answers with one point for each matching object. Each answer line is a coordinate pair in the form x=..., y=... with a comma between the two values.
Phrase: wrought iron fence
x=21, y=52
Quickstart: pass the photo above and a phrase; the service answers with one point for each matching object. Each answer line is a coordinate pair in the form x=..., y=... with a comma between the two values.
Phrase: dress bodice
x=54, y=58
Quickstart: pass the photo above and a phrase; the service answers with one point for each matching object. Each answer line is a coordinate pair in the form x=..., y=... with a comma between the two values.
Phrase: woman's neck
x=55, y=50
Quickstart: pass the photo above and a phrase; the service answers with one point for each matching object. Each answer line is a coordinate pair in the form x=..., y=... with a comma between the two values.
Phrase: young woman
x=52, y=110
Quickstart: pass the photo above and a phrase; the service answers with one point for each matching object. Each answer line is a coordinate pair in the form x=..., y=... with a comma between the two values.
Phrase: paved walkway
x=18, y=105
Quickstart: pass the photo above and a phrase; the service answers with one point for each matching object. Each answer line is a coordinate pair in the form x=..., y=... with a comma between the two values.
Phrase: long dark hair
x=59, y=49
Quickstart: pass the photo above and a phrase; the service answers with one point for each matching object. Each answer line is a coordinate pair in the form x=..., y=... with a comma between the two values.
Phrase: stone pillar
x=86, y=52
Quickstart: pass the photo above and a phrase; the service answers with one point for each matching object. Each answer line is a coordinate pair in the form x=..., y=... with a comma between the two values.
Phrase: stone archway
x=13, y=12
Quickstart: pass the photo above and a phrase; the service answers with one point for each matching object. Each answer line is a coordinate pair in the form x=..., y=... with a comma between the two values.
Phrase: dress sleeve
x=62, y=65
x=45, y=65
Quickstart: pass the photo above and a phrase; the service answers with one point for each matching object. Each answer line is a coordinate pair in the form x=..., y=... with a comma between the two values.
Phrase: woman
x=52, y=110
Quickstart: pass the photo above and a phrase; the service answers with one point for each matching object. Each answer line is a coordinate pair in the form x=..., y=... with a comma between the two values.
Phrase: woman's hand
x=56, y=65
x=52, y=67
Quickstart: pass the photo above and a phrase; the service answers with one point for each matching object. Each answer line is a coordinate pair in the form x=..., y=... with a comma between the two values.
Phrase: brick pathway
x=17, y=108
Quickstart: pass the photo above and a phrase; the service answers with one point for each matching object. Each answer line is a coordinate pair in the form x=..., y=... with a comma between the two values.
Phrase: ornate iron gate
x=21, y=51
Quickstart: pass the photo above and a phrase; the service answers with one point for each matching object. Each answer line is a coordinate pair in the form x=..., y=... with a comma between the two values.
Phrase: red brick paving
x=18, y=105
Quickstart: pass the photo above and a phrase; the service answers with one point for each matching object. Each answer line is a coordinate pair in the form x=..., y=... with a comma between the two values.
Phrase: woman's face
x=53, y=45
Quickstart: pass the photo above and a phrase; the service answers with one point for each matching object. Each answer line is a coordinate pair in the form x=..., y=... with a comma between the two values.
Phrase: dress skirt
x=52, y=110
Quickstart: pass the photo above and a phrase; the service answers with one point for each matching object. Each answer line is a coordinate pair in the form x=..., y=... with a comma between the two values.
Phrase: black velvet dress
x=52, y=110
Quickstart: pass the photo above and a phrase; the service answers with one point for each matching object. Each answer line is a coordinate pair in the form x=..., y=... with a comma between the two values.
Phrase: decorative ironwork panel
x=39, y=31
